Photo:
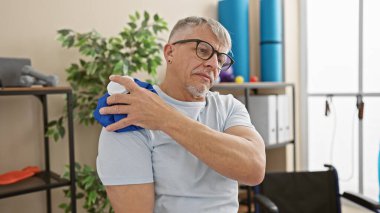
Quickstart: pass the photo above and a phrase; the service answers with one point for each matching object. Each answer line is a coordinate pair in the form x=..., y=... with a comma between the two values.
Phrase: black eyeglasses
x=205, y=51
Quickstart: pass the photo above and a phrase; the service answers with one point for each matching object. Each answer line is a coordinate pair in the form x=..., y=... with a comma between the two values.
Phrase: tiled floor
x=349, y=207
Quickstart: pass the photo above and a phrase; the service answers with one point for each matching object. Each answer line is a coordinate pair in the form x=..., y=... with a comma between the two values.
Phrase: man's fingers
x=119, y=125
x=115, y=109
x=128, y=83
x=120, y=99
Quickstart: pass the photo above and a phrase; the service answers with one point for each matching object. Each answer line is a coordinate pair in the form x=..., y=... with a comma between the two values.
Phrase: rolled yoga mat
x=233, y=15
x=270, y=20
x=271, y=62
x=271, y=35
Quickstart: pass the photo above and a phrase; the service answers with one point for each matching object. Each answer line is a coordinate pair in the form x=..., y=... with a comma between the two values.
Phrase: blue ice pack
x=106, y=120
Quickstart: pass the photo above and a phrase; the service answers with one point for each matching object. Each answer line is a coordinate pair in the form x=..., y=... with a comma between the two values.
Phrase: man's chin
x=198, y=91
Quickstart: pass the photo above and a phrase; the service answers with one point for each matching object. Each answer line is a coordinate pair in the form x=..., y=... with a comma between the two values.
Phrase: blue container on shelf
x=233, y=15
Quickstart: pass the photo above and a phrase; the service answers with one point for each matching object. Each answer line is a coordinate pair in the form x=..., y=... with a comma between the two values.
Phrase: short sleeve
x=124, y=158
x=237, y=115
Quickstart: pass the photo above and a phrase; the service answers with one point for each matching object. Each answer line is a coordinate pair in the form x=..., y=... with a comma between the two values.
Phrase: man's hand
x=144, y=108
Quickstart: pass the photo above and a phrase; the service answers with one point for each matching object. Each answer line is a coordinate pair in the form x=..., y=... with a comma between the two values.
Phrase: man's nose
x=213, y=62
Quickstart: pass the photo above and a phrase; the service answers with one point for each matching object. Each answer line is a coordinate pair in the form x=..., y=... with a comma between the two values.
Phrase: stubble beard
x=197, y=92
x=200, y=91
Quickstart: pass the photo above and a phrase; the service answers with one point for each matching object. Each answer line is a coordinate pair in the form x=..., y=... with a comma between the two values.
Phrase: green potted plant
x=90, y=188
x=136, y=48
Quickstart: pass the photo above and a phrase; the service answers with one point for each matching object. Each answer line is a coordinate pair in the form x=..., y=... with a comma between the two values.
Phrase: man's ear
x=168, y=51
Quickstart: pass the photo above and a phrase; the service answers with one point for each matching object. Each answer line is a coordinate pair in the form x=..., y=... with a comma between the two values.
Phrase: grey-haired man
x=196, y=145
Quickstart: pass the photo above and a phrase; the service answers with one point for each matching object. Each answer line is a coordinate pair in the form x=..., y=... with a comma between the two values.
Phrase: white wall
x=28, y=29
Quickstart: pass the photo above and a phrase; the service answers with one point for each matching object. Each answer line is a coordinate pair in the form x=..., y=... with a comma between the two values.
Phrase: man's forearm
x=238, y=157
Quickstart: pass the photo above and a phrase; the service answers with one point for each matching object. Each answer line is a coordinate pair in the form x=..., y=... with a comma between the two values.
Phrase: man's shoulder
x=215, y=95
x=137, y=135
x=222, y=100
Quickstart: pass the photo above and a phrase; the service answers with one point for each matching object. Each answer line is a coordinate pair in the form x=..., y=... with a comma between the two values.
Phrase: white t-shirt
x=183, y=183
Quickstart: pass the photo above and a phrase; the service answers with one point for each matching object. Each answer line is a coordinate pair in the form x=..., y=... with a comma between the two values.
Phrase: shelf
x=256, y=85
x=34, y=90
x=46, y=180
x=41, y=181
x=278, y=145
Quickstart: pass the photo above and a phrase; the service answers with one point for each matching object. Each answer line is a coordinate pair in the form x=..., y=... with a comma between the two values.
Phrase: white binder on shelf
x=262, y=109
x=284, y=118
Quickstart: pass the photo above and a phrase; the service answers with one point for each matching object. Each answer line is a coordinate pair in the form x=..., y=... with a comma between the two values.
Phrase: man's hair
x=219, y=31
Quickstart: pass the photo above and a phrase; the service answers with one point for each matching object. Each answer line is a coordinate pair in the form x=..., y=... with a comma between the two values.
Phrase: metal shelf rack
x=45, y=180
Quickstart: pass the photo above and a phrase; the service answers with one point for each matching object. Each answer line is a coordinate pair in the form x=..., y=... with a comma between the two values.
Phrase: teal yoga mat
x=271, y=62
x=271, y=20
x=233, y=15
x=271, y=35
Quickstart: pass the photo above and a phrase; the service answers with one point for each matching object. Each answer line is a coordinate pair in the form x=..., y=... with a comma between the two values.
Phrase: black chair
x=304, y=192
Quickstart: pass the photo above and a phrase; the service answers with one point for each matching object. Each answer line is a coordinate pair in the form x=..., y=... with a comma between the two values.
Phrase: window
x=337, y=39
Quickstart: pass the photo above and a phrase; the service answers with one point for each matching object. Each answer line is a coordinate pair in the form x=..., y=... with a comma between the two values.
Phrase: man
x=196, y=146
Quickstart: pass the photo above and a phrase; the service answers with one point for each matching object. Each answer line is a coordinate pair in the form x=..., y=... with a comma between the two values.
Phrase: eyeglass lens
x=205, y=51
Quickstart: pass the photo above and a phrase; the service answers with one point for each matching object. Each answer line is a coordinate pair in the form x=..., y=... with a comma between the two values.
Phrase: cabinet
x=46, y=179
x=269, y=99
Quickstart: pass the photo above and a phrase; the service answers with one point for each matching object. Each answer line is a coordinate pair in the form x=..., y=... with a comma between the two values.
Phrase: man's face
x=196, y=74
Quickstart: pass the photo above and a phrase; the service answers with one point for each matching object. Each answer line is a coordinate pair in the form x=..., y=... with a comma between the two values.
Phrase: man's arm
x=124, y=166
x=132, y=198
x=237, y=153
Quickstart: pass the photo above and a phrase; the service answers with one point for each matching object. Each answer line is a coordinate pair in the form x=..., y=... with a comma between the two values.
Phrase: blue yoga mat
x=233, y=15
x=271, y=20
x=271, y=62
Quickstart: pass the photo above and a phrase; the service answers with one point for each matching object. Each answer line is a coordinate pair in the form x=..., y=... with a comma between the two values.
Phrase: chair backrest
x=303, y=192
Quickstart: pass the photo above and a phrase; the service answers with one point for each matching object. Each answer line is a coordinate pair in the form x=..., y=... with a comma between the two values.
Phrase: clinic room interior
x=307, y=72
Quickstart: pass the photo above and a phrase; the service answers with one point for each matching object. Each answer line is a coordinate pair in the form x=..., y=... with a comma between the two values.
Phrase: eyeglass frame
x=198, y=41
